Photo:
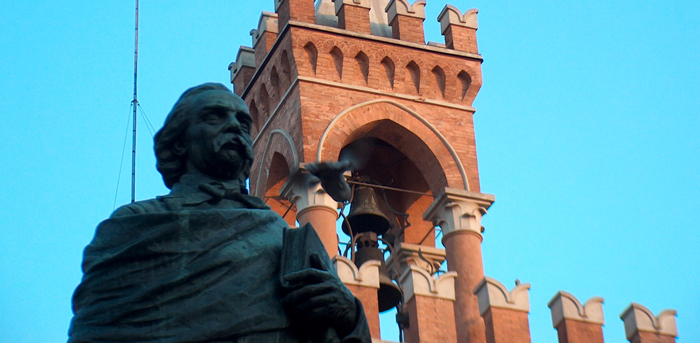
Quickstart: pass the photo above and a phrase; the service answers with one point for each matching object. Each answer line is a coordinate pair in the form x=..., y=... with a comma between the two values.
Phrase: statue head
x=208, y=130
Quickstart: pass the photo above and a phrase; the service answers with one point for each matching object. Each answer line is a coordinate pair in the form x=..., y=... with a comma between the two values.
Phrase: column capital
x=639, y=318
x=457, y=209
x=492, y=293
x=299, y=191
x=565, y=306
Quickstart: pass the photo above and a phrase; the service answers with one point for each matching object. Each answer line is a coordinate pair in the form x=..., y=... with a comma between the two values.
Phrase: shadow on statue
x=208, y=262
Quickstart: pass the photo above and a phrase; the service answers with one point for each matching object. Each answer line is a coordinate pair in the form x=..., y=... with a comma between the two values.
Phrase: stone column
x=364, y=284
x=428, y=299
x=458, y=212
x=314, y=206
x=576, y=323
x=642, y=326
x=504, y=312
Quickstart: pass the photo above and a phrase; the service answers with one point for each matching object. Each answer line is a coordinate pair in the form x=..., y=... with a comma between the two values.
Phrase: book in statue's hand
x=299, y=245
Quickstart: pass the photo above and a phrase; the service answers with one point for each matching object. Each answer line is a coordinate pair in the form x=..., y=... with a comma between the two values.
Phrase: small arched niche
x=312, y=54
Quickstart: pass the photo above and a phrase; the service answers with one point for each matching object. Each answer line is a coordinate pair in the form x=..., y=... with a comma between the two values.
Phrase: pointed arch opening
x=390, y=69
x=414, y=73
x=465, y=80
x=363, y=63
x=440, y=79
x=337, y=60
x=311, y=54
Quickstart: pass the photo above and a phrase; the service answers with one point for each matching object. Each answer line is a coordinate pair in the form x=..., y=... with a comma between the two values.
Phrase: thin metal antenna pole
x=135, y=104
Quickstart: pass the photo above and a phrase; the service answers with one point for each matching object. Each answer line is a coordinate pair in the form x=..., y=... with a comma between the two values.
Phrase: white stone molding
x=366, y=276
x=244, y=58
x=417, y=281
x=298, y=190
x=403, y=7
x=492, y=293
x=266, y=151
x=356, y=3
x=450, y=15
x=267, y=23
x=457, y=209
x=565, y=306
x=639, y=318
x=409, y=255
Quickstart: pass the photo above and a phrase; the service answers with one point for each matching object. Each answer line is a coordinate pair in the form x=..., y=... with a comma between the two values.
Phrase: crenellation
x=577, y=323
x=353, y=15
x=642, y=326
x=406, y=20
x=505, y=312
x=242, y=69
x=459, y=29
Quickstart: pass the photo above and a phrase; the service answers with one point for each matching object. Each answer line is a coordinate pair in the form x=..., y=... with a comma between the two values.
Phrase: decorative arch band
x=289, y=139
x=423, y=121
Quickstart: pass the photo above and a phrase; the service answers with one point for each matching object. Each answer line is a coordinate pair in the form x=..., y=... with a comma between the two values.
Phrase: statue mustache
x=238, y=141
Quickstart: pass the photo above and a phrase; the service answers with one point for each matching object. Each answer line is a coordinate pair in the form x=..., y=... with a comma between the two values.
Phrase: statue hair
x=170, y=165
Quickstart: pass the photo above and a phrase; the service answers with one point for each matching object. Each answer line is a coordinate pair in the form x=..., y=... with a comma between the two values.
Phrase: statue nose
x=233, y=125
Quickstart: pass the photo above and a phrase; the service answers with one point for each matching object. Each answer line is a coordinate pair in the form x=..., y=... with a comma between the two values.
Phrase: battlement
x=396, y=22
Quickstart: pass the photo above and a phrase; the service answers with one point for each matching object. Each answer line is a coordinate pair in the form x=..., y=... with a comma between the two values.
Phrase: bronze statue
x=205, y=262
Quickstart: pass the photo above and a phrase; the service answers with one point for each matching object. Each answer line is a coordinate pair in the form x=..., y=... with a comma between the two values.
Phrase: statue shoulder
x=156, y=205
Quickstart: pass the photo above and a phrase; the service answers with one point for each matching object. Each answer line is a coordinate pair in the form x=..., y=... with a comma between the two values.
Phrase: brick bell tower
x=356, y=78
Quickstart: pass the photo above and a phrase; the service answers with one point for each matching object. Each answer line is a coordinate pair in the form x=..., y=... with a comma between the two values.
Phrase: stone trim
x=356, y=3
x=416, y=281
x=565, y=306
x=366, y=276
x=295, y=156
x=492, y=293
x=408, y=255
x=303, y=195
x=244, y=58
x=403, y=7
x=450, y=15
x=639, y=318
x=267, y=23
x=457, y=209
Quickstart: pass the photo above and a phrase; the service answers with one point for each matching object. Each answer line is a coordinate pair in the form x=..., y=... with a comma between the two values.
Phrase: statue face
x=218, y=141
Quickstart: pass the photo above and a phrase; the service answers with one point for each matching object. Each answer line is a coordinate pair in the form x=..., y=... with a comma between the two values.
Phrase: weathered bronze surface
x=207, y=262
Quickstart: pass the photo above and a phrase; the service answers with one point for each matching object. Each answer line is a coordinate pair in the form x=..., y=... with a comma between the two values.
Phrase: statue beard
x=230, y=158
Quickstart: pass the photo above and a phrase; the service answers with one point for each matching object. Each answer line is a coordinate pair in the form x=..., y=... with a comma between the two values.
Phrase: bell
x=388, y=294
x=365, y=214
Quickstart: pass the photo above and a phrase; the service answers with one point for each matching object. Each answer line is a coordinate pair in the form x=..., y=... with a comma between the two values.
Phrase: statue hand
x=330, y=174
x=319, y=300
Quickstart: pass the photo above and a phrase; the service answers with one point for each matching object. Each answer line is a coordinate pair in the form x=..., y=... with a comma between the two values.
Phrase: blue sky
x=587, y=126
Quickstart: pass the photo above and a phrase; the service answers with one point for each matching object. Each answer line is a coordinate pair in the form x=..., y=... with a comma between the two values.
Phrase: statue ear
x=179, y=148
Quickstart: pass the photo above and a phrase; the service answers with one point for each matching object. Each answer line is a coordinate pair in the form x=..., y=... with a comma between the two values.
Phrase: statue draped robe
x=199, y=274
